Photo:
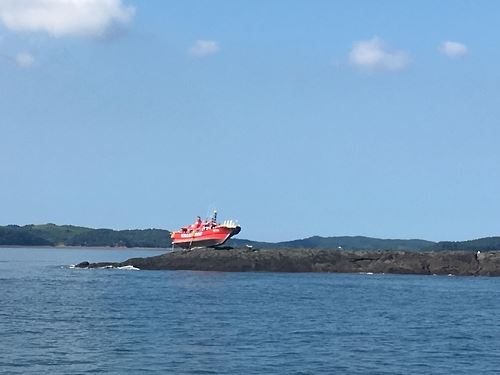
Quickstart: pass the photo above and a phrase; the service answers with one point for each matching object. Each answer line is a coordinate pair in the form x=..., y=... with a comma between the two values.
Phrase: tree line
x=69, y=235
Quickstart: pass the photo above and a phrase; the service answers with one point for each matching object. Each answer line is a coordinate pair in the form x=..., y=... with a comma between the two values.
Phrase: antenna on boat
x=210, y=210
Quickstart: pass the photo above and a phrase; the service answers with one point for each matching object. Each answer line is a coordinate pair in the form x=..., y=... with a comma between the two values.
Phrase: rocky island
x=460, y=263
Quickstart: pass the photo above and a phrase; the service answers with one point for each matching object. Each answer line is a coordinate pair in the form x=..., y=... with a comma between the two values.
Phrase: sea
x=55, y=319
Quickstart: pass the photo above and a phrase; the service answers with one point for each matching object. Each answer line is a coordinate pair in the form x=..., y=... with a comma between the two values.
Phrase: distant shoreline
x=52, y=235
x=82, y=247
x=74, y=236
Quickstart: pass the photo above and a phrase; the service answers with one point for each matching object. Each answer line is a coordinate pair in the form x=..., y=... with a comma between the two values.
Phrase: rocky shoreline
x=460, y=263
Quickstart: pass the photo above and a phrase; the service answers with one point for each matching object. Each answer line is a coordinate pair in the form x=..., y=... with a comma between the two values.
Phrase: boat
x=206, y=233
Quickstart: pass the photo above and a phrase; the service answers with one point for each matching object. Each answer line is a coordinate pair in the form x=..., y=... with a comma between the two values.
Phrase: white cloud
x=91, y=18
x=374, y=54
x=24, y=60
x=202, y=48
x=453, y=49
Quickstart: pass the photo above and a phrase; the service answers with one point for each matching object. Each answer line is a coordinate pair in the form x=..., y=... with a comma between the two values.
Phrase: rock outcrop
x=313, y=260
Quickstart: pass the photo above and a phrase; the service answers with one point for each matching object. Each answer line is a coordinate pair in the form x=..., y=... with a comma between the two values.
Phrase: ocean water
x=58, y=320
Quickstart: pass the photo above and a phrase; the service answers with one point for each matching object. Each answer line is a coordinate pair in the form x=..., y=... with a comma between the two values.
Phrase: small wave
x=128, y=268
x=109, y=266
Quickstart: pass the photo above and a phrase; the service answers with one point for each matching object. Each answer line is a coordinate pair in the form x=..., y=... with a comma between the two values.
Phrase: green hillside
x=481, y=244
x=15, y=235
x=368, y=243
x=344, y=242
x=69, y=235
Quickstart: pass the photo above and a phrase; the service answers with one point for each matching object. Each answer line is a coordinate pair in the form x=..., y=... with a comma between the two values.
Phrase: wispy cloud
x=202, y=48
x=88, y=18
x=24, y=60
x=21, y=60
x=453, y=49
x=374, y=54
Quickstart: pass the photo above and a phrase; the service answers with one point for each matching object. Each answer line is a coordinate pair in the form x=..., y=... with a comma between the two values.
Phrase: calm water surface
x=57, y=320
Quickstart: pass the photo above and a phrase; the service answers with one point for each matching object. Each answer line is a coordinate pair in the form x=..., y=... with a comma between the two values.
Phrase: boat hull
x=204, y=238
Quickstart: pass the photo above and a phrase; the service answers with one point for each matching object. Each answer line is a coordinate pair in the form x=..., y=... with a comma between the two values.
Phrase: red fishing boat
x=207, y=233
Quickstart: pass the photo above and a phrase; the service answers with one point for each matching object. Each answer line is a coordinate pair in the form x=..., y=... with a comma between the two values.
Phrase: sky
x=296, y=118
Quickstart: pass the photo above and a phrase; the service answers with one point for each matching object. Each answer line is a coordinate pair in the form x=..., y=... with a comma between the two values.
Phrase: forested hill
x=344, y=242
x=369, y=244
x=69, y=235
x=482, y=244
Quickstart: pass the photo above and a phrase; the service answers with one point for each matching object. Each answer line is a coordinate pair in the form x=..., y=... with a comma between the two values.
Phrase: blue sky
x=296, y=118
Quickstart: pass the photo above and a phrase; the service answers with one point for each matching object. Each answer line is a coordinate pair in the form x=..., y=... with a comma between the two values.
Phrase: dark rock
x=319, y=260
x=83, y=265
x=95, y=265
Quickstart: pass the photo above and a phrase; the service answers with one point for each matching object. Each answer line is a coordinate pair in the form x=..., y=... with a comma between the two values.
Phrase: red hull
x=202, y=237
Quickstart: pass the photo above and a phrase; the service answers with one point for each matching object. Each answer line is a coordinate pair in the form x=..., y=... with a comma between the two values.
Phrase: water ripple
x=60, y=320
